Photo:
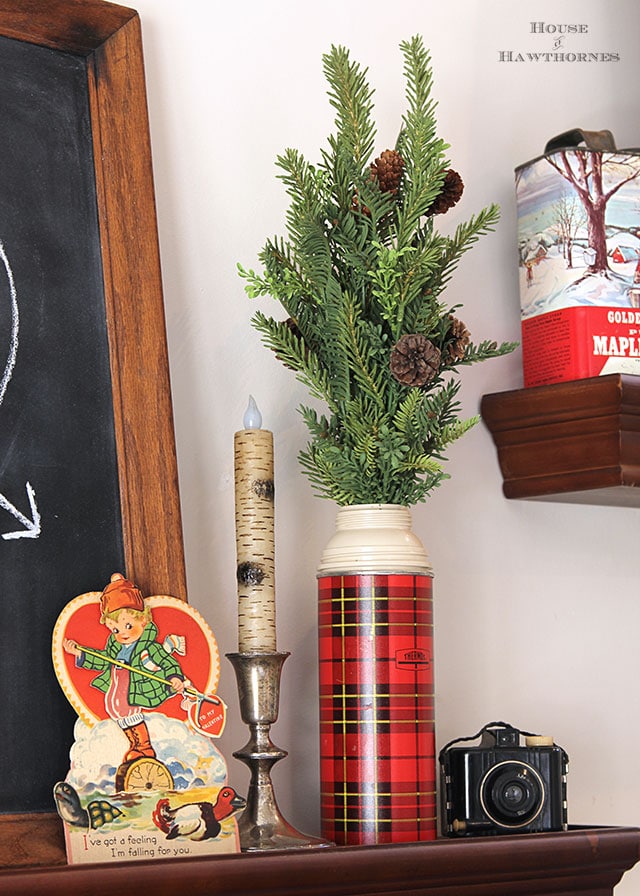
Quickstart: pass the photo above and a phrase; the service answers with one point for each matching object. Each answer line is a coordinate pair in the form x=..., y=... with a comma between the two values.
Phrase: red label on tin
x=575, y=343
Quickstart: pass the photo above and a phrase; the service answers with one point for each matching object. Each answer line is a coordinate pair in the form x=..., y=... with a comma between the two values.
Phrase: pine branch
x=405, y=418
x=418, y=297
x=362, y=267
x=389, y=285
x=306, y=218
x=454, y=431
x=282, y=278
x=293, y=352
x=418, y=137
x=485, y=351
x=332, y=341
x=304, y=183
x=360, y=354
x=423, y=152
x=422, y=463
x=351, y=97
x=465, y=236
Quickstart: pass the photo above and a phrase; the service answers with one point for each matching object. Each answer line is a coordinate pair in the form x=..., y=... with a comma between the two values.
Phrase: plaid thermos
x=377, y=750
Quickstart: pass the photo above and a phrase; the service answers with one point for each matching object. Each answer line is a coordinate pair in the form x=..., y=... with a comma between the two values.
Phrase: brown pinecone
x=415, y=360
x=387, y=170
x=292, y=325
x=460, y=338
x=451, y=192
x=358, y=206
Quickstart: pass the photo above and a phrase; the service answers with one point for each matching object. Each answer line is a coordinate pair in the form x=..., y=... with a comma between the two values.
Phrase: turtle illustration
x=95, y=815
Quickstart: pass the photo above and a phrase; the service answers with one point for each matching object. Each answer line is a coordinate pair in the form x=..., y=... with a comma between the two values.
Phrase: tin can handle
x=601, y=141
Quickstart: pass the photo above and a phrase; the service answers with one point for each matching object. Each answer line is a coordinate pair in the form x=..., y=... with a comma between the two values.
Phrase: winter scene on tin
x=579, y=230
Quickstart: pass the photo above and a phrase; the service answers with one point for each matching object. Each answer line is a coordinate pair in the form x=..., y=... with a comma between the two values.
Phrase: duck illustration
x=97, y=812
x=197, y=821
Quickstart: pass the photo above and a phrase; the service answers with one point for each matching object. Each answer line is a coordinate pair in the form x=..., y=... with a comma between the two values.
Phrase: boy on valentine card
x=130, y=652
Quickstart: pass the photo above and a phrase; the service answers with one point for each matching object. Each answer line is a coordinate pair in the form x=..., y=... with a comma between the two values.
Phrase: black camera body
x=501, y=787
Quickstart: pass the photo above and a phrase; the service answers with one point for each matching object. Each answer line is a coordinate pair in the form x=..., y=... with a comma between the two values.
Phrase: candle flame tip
x=252, y=416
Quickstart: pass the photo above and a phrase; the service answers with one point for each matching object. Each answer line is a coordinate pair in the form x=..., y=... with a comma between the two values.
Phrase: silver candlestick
x=262, y=825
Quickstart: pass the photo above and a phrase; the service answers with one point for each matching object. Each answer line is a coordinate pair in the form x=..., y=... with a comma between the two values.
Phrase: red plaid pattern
x=377, y=739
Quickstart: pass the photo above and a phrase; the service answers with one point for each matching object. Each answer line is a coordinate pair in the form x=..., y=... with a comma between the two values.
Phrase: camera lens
x=512, y=794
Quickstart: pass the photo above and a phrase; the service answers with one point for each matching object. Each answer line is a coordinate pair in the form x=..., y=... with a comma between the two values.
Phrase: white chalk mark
x=31, y=526
x=15, y=320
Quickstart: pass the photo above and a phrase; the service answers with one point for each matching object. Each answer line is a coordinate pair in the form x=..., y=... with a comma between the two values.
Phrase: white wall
x=537, y=611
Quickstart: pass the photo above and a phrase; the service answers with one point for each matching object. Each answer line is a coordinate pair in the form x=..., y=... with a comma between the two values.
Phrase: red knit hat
x=120, y=594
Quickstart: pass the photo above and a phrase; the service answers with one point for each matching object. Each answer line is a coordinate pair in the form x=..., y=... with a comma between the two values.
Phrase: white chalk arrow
x=31, y=526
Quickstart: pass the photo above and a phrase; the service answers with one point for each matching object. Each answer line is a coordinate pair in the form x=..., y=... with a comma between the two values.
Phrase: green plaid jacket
x=143, y=691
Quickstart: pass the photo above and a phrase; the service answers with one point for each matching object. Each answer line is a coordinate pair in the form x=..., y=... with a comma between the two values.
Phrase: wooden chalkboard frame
x=108, y=38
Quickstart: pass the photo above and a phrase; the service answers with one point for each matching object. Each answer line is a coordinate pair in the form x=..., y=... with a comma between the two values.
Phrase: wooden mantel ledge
x=575, y=442
x=586, y=861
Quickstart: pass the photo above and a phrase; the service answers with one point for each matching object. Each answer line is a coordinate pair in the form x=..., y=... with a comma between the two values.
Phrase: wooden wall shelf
x=585, y=861
x=576, y=442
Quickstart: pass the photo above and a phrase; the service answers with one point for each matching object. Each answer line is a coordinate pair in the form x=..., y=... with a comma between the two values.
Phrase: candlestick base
x=261, y=825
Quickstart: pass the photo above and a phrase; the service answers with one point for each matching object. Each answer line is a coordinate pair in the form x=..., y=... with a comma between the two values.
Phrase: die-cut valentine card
x=146, y=779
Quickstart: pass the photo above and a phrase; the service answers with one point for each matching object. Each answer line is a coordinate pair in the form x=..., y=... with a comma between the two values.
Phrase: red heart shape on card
x=175, y=620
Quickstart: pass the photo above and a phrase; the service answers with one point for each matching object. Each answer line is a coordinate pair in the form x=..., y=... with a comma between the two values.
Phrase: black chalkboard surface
x=59, y=501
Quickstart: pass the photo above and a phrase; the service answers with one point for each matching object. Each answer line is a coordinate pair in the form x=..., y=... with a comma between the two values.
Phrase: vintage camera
x=500, y=787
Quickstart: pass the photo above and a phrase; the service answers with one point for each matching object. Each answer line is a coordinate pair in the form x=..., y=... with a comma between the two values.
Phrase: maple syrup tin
x=578, y=210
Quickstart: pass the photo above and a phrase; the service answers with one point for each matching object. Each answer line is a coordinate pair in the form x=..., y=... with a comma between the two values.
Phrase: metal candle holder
x=261, y=825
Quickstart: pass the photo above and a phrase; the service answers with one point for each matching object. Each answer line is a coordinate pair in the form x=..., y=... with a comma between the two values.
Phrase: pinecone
x=451, y=192
x=292, y=325
x=387, y=170
x=460, y=338
x=357, y=206
x=415, y=360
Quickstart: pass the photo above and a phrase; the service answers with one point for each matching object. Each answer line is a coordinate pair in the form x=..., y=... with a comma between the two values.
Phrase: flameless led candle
x=255, y=541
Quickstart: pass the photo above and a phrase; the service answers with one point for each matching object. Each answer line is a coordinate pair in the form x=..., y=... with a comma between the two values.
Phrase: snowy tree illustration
x=569, y=217
x=595, y=177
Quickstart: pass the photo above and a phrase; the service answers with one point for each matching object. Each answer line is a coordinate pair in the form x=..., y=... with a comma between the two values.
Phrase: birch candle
x=255, y=541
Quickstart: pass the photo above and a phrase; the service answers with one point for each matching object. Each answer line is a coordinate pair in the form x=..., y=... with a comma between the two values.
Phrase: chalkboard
x=88, y=482
x=59, y=501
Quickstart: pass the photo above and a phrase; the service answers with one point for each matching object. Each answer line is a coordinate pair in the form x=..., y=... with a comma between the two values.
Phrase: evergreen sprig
x=360, y=276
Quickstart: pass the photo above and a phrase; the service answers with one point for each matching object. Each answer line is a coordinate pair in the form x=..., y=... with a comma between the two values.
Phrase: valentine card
x=146, y=780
